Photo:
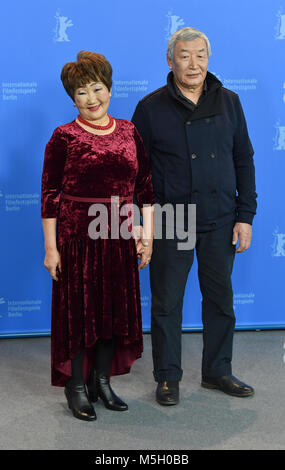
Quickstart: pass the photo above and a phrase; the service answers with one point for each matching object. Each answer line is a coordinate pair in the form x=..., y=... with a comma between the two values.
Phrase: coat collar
x=209, y=103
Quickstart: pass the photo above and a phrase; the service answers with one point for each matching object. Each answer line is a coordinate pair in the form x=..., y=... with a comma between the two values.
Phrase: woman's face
x=92, y=101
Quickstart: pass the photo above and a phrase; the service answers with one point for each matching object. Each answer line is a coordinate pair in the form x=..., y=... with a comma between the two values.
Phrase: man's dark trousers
x=169, y=269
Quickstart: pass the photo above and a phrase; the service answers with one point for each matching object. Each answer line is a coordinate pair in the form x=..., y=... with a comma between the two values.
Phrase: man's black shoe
x=167, y=393
x=228, y=384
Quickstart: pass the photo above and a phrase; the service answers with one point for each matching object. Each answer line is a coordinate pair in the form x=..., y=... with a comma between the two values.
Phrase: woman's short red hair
x=90, y=66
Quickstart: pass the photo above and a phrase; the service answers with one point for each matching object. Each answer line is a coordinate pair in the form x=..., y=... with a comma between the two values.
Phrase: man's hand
x=243, y=233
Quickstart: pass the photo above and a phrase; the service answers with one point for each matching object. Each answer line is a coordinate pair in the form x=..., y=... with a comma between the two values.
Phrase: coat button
x=188, y=123
x=193, y=156
x=212, y=155
x=207, y=120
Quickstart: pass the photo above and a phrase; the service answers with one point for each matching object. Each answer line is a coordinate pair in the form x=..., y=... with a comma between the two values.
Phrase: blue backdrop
x=38, y=38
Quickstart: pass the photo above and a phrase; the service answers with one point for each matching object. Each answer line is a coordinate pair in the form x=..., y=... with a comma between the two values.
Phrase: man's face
x=189, y=63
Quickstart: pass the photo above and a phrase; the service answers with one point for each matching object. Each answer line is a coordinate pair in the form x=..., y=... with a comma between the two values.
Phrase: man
x=196, y=136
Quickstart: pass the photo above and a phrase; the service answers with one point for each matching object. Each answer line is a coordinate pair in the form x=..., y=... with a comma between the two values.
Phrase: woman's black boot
x=75, y=392
x=78, y=402
x=99, y=383
x=99, y=387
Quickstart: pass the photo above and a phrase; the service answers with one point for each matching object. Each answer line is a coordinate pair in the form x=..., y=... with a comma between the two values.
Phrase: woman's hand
x=52, y=262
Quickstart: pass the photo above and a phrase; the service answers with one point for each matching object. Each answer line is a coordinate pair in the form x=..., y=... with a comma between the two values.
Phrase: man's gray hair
x=186, y=34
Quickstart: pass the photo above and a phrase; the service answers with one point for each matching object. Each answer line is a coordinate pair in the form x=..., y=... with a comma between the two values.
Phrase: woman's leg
x=104, y=351
x=77, y=370
x=75, y=391
x=100, y=384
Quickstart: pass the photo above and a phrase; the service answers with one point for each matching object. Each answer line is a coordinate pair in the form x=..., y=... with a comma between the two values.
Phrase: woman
x=96, y=327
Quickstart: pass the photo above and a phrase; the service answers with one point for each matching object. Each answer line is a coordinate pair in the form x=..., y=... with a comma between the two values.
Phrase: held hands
x=143, y=246
x=243, y=232
x=52, y=263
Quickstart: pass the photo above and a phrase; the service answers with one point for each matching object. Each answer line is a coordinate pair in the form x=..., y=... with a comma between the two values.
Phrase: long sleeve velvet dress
x=98, y=291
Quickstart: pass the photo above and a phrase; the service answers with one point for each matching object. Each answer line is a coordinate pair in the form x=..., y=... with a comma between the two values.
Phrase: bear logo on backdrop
x=174, y=23
x=280, y=27
x=279, y=139
x=278, y=247
x=62, y=23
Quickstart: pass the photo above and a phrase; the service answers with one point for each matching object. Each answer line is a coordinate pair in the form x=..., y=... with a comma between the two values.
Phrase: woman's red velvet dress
x=98, y=291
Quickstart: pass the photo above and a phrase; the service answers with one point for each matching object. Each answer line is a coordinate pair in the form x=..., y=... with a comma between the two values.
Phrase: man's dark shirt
x=188, y=103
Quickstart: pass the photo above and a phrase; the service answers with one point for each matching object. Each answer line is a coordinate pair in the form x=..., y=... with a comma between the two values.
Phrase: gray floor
x=34, y=415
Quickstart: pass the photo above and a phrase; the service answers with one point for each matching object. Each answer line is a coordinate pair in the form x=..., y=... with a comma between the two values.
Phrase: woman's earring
x=74, y=105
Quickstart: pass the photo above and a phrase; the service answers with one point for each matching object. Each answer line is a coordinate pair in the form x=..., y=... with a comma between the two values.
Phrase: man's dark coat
x=203, y=156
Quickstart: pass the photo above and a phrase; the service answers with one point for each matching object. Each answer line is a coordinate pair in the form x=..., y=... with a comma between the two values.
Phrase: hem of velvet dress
x=59, y=374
